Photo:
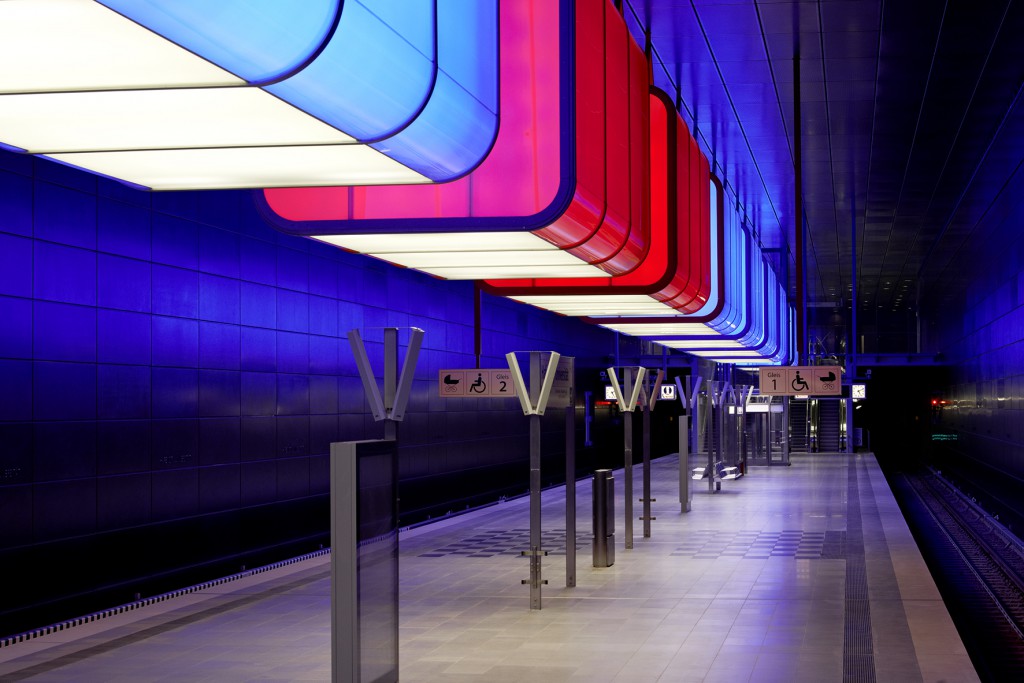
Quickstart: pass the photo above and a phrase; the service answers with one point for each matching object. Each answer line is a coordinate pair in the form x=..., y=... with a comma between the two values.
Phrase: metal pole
x=785, y=430
x=570, y=495
x=345, y=650
x=723, y=427
x=849, y=424
x=535, y=550
x=627, y=421
x=798, y=206
x=712, y=390
x=647, y=468
x=741, y=420
x=684, y=443
x=684, y=460
x=851, y=350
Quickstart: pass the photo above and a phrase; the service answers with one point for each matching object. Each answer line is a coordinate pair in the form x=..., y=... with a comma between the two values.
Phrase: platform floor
x=800, y=573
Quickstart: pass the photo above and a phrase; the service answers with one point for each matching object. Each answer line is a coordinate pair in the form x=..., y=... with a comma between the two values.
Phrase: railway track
x=979, y=568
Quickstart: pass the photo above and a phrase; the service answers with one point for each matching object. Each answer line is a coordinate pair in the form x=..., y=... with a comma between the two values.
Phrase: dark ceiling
x=910, y=123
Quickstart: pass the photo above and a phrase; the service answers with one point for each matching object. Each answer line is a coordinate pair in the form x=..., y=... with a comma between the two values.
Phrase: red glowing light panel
x=579, y=194
x=677, y=267
x=520, y=177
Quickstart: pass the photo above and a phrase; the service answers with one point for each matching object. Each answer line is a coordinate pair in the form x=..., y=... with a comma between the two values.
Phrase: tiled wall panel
x=982, y=334
x=167, y=356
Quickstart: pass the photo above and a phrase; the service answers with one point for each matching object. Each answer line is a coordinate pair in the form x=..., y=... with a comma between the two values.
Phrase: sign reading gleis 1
x=801, y=380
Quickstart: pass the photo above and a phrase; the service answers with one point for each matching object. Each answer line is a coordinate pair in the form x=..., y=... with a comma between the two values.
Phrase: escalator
x=798, y=441
x=828, y=426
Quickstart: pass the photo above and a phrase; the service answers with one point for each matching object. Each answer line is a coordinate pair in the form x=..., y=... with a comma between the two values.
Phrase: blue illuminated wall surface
x=982, y=334
x=170, y=357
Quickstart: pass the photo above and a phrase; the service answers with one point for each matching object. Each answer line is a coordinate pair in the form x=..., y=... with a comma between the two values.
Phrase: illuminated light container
x=186, y=94
x=782, y=355
x=563, y=191
x=749, y=325
x=774, y=332
x=762, y=339
x=721, y=312
x=675, y=275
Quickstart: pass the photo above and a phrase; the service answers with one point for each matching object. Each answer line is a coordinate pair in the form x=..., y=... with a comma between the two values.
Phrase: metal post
x=684, y=463
x=535, y=550
x=712, y=391
x=798, y=198
x=570, y=496
x=364, y=571
x=686, y=400
x=603, y=500
x=695, y=421
x=741, y=423
x=785, y=430
x=627, y=422
x=849, y=424
x=345, y=646
x=722, y=430
x=647, y=468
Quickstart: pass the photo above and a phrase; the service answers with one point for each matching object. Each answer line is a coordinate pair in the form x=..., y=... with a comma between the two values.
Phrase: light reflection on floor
x=751, y=585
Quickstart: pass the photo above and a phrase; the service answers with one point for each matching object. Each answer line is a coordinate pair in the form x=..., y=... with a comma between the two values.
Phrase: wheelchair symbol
x=479, y=386
x=798, y=383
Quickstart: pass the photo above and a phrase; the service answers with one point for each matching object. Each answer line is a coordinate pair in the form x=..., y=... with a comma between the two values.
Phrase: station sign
x=562, y=388
x=475, y=383
x=801, y=380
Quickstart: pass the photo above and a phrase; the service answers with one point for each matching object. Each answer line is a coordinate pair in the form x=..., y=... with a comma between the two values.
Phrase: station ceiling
x=910, y=124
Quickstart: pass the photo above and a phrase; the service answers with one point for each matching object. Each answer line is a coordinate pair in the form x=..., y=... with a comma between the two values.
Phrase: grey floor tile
x=748, y=586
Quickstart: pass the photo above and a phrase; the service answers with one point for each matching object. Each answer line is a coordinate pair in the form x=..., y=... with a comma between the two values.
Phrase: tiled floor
x=801, y=573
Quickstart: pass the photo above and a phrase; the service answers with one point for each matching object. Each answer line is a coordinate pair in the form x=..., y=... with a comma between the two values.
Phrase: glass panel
x=449, y=137
x=369, y=81
x=661, y=256
x=157, y=119
x=258, y=40
x=515, y=179
x=241, y=167
x=377, y=472
x=61, y=45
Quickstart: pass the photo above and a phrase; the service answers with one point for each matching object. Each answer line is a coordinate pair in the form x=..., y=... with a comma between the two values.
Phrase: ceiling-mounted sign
x=801, y=380
x=475, y=383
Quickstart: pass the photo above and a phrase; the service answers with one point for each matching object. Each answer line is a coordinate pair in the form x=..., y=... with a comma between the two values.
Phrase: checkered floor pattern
x=705, y=544
x=810, y=545
x=506, y=542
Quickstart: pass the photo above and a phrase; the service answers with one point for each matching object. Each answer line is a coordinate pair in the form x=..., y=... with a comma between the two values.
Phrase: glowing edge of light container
x=469, y=255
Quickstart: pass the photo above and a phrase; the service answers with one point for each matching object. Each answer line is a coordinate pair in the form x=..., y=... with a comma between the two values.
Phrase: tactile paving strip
x=506, y=542
x=759, y=545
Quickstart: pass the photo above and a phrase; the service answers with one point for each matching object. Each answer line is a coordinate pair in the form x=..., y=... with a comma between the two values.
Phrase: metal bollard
x=604, y=518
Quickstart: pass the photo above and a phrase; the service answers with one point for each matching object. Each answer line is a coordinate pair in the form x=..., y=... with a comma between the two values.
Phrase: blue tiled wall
x=980, y=329
x=170, y=357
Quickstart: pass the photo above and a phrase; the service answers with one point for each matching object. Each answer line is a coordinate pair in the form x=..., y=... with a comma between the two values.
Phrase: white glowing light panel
x=88, y=87
x=470, y=255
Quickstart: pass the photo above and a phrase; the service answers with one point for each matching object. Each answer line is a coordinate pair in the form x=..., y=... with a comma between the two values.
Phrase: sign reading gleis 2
x=500, y=383
x=801, y=380
x=480, y=383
